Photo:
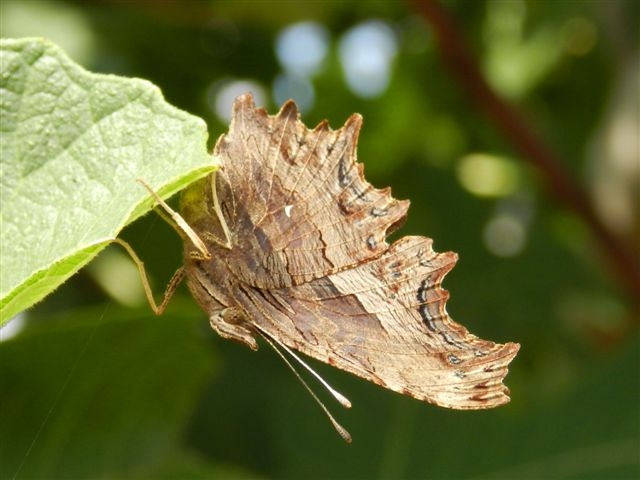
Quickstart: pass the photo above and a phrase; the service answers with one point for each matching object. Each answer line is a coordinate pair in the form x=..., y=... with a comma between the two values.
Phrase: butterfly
x=288, y=242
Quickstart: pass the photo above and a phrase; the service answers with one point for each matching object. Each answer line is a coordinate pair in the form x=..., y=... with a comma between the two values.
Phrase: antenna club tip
x=346, y=436
x=344, y=401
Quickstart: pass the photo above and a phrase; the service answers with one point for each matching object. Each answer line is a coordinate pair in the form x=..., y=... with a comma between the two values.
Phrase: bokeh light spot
x=505, y=235
x=366, y=54
x=222, y=94
x=13, y=327
x=302, y=47
x=300, y=89
x=114, y=264
x=59, y=22
x=488, y=175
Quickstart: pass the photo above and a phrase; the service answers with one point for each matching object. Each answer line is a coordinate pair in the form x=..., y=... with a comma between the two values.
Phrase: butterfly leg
x=177, y=222
x=171, y=287
x=229, y=323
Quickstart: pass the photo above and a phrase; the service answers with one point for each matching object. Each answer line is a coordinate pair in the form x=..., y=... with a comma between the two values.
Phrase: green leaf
x=72, y=145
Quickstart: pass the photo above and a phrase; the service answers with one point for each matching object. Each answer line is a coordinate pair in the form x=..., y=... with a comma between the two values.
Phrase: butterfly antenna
x=346, y=436
x=342, y=400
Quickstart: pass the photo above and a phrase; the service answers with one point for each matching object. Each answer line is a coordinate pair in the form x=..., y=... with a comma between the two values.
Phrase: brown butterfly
x=288, y=241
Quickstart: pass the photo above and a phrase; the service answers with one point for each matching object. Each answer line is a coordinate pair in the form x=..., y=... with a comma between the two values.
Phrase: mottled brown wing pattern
x=385, y=320
x=305, y=210
x=305, y=262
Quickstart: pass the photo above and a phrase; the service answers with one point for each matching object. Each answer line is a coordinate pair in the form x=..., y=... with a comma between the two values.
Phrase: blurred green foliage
x=92, y=389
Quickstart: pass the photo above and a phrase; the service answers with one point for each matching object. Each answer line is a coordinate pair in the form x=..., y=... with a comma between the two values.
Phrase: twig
x=622, y=261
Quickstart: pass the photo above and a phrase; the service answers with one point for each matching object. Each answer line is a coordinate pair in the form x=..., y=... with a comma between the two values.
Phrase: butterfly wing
x=385, y=320
x=295, y=199
x=309, y=264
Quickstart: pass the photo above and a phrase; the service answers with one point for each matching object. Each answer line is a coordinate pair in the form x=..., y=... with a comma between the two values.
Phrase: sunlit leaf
x=72, y=145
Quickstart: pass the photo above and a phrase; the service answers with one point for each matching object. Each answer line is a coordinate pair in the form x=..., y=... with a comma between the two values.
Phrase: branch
x=622, y=262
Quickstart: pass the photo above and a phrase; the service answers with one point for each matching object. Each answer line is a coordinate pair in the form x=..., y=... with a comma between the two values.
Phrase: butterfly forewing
x=301, y=206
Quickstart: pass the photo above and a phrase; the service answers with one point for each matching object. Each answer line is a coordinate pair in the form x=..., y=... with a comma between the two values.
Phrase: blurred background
x=94, y=385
